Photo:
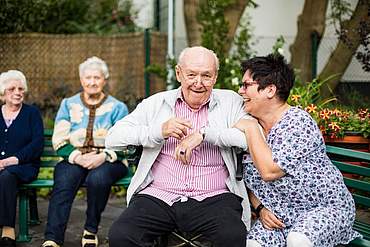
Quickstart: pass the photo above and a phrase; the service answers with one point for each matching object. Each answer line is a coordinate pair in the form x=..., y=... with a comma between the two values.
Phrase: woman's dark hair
x=271, y=69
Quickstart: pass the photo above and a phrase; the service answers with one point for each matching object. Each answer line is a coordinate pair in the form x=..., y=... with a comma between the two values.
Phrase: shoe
x=89, y=239
x=7, y=242
x=50, y=243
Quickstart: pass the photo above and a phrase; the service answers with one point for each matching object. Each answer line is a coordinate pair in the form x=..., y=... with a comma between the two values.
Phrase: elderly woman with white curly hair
x=21, y=145
x=81, y=125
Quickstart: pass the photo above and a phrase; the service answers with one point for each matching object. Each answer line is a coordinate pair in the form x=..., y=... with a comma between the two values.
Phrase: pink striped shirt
x=203, y=177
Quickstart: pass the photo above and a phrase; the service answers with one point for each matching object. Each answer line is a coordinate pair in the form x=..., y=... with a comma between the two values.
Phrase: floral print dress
x=312, y=197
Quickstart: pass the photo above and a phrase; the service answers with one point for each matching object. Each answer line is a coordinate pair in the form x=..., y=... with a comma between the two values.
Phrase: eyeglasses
x=206, y=78
x=247, y=84
x=13, y=89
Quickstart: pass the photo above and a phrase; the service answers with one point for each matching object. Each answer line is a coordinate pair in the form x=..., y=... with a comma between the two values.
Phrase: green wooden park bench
x=27, y=210
x=359, y=184
x=356, y=167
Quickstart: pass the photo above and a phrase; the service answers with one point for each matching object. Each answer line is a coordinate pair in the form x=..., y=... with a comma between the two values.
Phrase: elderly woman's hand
x=244, y=124
x=8, y=162
x=269, y=220
x=90, y=160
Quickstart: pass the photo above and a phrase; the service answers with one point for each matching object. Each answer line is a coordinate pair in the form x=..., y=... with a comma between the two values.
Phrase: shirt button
x=6, y=130
x=2, y=153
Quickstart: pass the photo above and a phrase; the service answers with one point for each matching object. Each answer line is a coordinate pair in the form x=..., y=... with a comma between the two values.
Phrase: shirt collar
x=176, y=94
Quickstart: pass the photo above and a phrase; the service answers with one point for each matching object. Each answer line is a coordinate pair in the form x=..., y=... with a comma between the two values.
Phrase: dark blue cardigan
x=23, y=139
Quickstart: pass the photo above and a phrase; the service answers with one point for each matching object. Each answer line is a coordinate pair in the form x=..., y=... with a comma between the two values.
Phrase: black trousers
x=218, y=218
x=8, y=198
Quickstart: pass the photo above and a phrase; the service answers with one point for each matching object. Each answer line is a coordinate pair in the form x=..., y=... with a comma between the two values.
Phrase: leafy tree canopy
x=65, y=16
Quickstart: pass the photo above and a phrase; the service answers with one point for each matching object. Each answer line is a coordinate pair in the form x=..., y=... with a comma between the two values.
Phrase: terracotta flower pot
x=355, y=142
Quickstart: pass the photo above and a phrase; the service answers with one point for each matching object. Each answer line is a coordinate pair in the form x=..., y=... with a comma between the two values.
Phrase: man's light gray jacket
x=144, y=127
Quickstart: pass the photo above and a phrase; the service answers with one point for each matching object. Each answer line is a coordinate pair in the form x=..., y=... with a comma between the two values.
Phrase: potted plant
x=341, y=127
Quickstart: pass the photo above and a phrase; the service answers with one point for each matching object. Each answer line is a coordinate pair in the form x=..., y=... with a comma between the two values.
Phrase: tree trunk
x=232, y=14
x=341, y=57
x=193, y=29
x=312, y=19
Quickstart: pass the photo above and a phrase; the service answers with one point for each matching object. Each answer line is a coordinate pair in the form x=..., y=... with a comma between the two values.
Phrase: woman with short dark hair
x=297, y=192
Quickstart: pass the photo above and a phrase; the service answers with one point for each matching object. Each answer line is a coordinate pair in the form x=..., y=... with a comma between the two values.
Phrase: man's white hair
x=183, y=52
x=94, y=63
x=12, y=75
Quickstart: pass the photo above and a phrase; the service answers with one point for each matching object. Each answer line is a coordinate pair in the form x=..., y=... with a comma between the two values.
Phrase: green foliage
x=304, y=95
x=278, y=46
x=162, y=71
x=340, y=10
x=333, y=120
x=45, y=173
x=214, y=36
x=65, y=16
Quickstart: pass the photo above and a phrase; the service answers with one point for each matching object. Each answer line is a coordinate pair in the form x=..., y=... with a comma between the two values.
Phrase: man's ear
x=271, y=91
x=216, y=75
x=178, y=73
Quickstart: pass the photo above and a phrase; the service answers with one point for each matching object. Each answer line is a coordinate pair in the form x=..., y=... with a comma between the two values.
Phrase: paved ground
x=113, y=210
x=76, y=221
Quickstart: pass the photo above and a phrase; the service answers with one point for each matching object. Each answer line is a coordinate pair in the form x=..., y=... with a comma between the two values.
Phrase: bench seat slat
x=47, y=183
x=357, y=222
x=363, y=229
x=360, y=243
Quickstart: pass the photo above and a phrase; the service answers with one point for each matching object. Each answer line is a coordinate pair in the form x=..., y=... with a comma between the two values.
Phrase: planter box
x=354, y=142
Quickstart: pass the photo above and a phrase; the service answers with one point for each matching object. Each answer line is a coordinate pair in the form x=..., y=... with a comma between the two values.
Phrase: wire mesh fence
x=50, y=64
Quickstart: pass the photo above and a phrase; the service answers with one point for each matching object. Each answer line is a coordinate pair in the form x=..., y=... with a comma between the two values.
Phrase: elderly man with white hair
x=186, y=176
x=21, y=145
x=81, y=125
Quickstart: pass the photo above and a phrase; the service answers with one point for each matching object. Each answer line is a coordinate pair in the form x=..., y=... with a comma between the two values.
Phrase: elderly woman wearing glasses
x=298, y=194
x=81, y=126
x=21, y=145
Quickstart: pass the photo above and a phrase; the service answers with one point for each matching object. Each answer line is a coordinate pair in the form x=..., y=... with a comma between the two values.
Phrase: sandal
x=89, y=239
x=50, y=243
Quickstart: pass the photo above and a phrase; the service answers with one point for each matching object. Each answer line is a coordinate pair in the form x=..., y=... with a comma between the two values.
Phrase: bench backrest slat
x=348, y=153
x=350, y=168
x=356, y=168
x=360, y=199
x=49, y=163
x=357, y=184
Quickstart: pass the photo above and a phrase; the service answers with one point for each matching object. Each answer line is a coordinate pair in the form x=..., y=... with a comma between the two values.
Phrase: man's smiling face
x=197, y=74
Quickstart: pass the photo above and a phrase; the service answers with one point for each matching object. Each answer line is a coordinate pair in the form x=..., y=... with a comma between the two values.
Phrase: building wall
x=270, y=20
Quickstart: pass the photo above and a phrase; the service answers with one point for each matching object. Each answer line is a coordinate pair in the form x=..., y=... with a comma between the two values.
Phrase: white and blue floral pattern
x=312, y=197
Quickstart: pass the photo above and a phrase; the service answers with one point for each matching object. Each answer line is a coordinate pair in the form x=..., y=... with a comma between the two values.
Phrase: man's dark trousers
x=218, y=218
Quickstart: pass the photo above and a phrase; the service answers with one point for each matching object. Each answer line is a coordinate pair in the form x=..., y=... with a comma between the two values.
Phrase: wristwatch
x=258, y=209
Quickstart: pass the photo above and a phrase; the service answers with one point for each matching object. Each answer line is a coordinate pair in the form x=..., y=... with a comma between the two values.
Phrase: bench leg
x=23, y=235
x=34, y=214
x=186, y=242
